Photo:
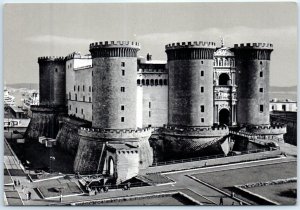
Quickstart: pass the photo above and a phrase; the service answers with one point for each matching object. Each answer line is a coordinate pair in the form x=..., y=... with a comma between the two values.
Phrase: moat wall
x=44, y=122
x=67, y=137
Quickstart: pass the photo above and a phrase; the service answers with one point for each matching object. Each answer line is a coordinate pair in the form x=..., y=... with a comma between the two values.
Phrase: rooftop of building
x=275, y=100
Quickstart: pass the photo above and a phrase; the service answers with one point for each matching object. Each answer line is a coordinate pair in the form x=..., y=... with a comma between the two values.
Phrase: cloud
x=52, y=39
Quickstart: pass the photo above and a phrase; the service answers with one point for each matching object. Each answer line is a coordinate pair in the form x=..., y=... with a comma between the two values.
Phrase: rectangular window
x=123, y=64
x=82, y=87
x=74, y=88
x=76, y=110
x=81, y=111
x=78, y=87
x=122, y=119
x=202, y=108
x=122, y=107
x=123, y=72
x=261, y=90
x=261, y=108
x=70, y=107
x=122, y=89
x=202, y=73
x=261, y=74
x=202, y=120
x=90, y=88
x=83, y=98
x=202, y=89
x=149, y=113
x=149, y=104
x=90, y=99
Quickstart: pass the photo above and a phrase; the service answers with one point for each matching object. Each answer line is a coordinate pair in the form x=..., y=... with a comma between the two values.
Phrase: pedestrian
x=232, y=203
x=221, y=201
x=60, y=198
x=15, y=183
x=232, y=194
x=29, y=195
x=128, y=185
x=19, y=183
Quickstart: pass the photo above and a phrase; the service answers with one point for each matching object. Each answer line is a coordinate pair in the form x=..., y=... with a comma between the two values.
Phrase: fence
x=209, y=157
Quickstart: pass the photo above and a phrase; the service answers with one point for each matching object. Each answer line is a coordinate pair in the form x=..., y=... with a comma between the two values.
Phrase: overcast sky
x=33, y=30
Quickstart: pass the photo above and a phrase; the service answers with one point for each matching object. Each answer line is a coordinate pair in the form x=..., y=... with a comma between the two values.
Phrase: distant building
x=286, y=105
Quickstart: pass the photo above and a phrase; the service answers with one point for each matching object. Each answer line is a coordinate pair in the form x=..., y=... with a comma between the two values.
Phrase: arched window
x=224, y=79
x=156, y=82
x=143, y=82
x=226, y=62
x=147, y=82
x=152, y=81
x=165, y=82
x=160, y=82
x=138, y=82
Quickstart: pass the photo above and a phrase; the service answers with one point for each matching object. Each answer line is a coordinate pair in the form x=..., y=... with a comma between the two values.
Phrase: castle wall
x=188, y=90
x=44, y=122
x=79, y=86
x=253, y=65
x=67, y=137
x=112, y=90
x=52, y=82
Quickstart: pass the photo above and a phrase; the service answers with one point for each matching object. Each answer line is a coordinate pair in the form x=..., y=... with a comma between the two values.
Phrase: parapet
x=267, y=46
x=51, y=58
x=196, y=131
x=116, y=134
x=115, y=44
x=195, y=44
x=78, y=56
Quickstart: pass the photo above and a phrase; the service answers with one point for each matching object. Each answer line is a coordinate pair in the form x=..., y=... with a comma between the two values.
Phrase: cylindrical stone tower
x=52, y=81
x=190, y=84
x=114, y=84
x=253, y=76
x=190, y=128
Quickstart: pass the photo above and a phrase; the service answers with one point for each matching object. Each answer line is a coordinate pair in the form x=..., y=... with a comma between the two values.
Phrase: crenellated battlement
x=78, y=56
x=195, y=44
x=51, y=58
x=196, y=131
x=115, y=133
x=114, y=49
x=268, y=129
x=254, y=46
x=115, y=44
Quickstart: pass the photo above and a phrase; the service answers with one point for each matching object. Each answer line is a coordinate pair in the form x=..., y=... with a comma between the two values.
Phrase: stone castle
x=103, y=107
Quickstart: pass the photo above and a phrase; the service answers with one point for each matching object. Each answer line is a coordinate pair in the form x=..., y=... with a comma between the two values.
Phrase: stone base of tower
x=67, y=137
x=118, y=153
x=193, y=141
x=268, y=131
x=44, y=121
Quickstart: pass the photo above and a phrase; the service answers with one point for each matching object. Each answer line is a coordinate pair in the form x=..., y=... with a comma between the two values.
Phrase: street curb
x=217, y=189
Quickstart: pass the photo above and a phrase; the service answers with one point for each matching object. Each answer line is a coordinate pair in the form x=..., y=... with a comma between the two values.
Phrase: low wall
x=213, y=162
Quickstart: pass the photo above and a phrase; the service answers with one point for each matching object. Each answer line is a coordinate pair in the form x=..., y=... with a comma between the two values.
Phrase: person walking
x=221, y=201
x=29, y=195
x=128, y=185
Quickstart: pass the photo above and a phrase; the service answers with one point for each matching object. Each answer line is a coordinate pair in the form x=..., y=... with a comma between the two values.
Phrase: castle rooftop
x=194, y=44
x=115, y=44
x=254, y=46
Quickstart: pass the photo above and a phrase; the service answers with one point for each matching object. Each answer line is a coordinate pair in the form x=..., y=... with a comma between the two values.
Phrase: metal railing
x=209, y=157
